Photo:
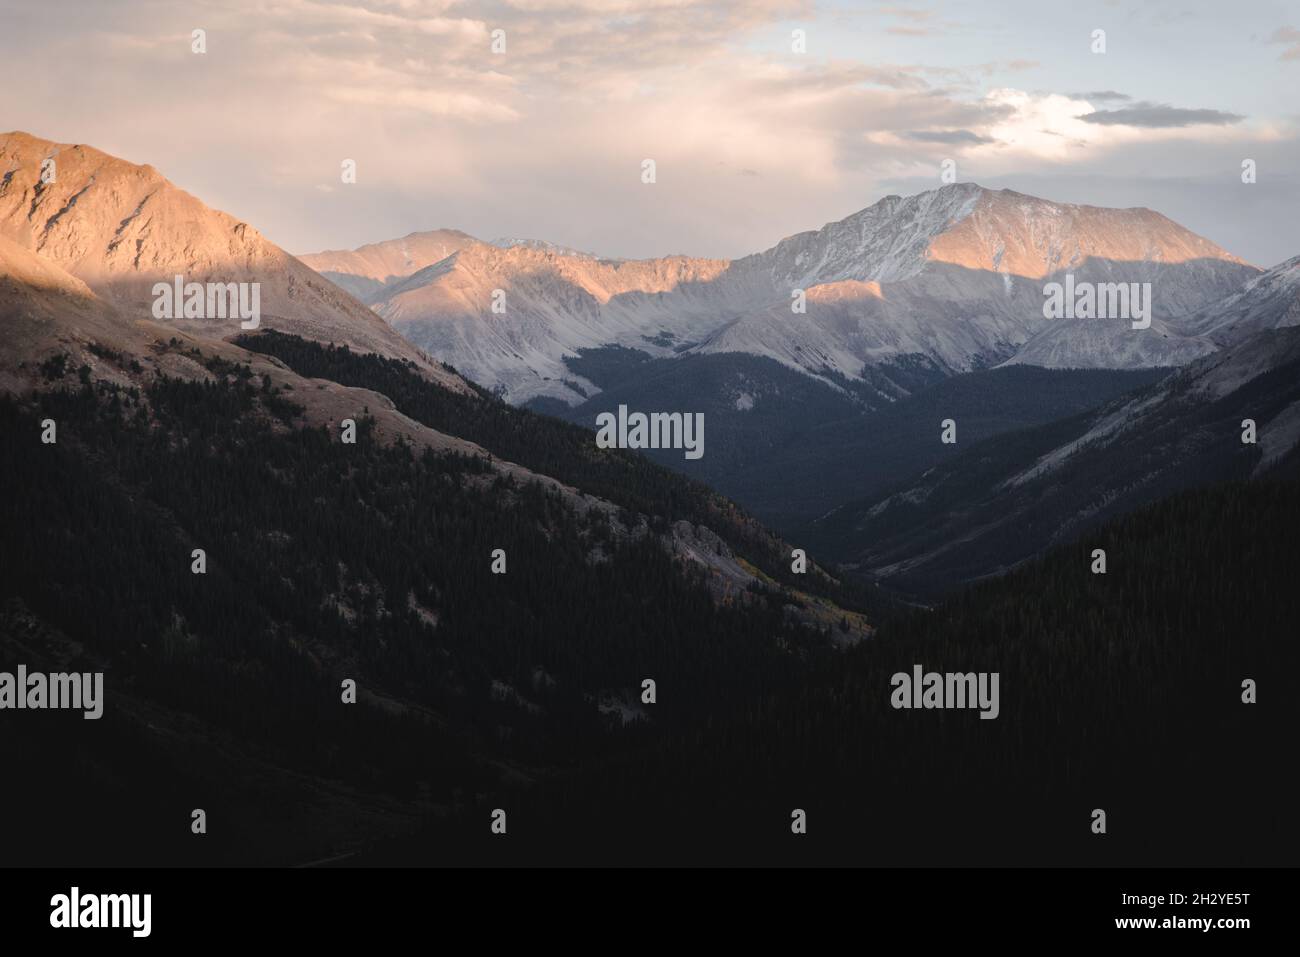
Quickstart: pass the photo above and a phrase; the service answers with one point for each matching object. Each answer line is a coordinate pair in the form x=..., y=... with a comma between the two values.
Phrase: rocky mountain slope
x=120, y=228
x=1270, y=300
x=73, y=299
x=952, y=279
x=369, y=270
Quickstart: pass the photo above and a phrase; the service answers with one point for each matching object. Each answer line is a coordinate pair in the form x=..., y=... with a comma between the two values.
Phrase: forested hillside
x=324, y=562
x=1004, y=500
x=327, y=562
x=551, y=447
x=1119, y=691
x=790, y=448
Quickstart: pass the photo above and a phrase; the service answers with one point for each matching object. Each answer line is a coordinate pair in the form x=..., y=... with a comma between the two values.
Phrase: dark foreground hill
x=328, y=562
x=521, y=692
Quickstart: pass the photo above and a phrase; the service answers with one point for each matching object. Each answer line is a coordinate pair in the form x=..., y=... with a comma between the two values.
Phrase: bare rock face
x=44, y=310
x=120, y=228
x=954, y=276
x=1269, y=301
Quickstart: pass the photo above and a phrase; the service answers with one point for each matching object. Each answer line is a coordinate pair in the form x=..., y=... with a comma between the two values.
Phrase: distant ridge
x=952, y=278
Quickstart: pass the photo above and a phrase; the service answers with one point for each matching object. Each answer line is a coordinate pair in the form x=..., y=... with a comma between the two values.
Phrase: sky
x=754, y=134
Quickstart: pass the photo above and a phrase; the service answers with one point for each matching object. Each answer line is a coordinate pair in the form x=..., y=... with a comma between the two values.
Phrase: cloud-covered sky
x=753, y=139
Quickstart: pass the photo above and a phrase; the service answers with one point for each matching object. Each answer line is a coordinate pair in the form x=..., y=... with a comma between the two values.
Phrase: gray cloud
x=1102, y=96
x=1159, y=116
x=951, y=137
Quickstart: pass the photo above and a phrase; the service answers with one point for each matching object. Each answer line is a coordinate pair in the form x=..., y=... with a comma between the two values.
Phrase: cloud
x=751, y=141
x=954, y=137
x=916, y=22
x=1290, y=36
x=1159, y=116
x=1103, y=96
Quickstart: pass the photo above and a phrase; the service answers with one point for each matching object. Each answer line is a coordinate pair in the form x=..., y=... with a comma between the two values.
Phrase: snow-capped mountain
x=953, y=278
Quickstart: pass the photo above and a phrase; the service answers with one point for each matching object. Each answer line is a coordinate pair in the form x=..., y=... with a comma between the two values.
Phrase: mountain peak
x=953, y=274
x=369, y=270
x=120, y=228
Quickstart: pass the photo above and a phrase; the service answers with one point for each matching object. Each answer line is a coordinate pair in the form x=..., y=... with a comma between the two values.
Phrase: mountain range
x=949, y=280
x=918, y=309
x=82, y=245
x=914, y=310
x=498, y=589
